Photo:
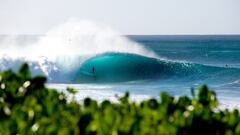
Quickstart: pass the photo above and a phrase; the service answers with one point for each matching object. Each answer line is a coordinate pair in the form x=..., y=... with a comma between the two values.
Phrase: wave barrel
x=119, y=67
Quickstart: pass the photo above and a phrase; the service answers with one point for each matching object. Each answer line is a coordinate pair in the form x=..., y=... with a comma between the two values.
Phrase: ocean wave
x=120, y=67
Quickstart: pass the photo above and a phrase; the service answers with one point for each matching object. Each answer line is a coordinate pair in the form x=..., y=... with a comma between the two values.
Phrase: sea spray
x=65, y=47
x=75, y=38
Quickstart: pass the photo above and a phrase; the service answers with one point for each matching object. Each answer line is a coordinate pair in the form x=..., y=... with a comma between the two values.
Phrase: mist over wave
x=65, y=47
x=73, y=38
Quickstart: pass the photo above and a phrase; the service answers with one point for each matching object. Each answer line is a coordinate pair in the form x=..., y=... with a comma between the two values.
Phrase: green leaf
x=24, y=71
x=71, y=90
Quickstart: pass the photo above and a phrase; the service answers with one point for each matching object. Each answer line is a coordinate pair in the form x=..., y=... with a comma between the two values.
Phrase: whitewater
x=142, y=65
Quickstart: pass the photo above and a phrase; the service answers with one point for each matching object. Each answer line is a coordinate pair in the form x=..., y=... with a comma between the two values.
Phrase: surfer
x=93, y=69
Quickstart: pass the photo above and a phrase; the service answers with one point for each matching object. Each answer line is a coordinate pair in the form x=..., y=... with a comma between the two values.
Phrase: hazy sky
x=126, y=16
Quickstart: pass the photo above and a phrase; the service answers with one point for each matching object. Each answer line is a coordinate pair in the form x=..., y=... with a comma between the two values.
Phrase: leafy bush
x=28, y=107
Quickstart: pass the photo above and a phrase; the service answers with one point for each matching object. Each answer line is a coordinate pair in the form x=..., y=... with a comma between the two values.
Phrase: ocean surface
x=108, y=66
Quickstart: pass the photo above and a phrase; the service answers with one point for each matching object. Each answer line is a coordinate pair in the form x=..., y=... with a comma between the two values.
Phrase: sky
x=129, y=17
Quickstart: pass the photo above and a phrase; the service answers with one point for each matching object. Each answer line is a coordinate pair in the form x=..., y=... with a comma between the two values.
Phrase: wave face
x=111, y=67
x=122, y=67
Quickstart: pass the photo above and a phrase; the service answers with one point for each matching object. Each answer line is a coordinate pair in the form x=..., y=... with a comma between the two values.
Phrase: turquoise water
x=213, y=50
x=124, y=67
x=219, y=53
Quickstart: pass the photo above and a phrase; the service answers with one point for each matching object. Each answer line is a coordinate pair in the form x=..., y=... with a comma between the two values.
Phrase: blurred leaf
x=71, y=90
x=24, y=71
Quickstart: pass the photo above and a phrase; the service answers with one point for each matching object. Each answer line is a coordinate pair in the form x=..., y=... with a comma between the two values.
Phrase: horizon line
x=137, y=34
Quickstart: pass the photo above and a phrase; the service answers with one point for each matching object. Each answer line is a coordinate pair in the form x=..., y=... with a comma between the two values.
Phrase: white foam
x=66, y=46
x=75, y=38
x=100, y=92
x=97, y=92
x=223, y=104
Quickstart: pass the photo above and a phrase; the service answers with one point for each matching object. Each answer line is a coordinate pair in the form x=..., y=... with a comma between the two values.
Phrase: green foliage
x=28, y=107
x=71, y=90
